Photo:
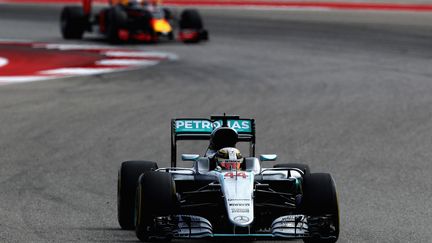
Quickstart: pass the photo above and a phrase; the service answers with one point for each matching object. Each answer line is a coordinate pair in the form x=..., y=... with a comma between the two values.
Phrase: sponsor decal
x=233, y=174
x=238, y=125
x=240, y=210
x=239, y=204
x=206, y=126
x=237, y=200
x=241, y=219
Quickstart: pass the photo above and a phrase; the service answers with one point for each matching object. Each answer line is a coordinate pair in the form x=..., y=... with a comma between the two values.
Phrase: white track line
x=141, y=54
x=3, y=61
x=126, y=62
x=65, y=47
x=23, y=79
x=79, y=71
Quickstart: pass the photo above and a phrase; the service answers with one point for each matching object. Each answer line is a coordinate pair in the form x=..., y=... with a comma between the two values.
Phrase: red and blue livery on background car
x=139, y=20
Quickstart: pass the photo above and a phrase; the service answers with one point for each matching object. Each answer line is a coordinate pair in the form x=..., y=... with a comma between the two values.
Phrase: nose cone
x=237, y=187
x=161, y=26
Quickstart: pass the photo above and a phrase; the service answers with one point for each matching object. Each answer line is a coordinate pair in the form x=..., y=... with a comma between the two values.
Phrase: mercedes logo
x=241, y=219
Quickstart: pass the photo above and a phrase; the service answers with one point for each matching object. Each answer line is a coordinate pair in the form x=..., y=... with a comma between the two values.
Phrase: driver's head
x=229, y=158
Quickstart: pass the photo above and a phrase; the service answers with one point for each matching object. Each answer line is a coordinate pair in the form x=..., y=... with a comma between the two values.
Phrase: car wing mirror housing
x=190, y=157
x=268, y=157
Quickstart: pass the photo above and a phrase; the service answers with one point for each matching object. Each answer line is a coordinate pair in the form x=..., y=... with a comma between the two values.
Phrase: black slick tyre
x=155, y=197
x=191, y=20
x=128, y=175
x=320, y=199
x=116, y=19
x=73, y=22
x=305, y=168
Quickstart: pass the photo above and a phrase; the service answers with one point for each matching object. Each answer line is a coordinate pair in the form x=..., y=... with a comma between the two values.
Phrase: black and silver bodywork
x=204, y=201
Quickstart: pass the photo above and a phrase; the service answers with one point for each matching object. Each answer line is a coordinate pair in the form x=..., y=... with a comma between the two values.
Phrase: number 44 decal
x=234, y=174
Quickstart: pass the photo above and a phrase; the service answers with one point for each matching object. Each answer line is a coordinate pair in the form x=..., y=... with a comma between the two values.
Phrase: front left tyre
x=128, y=175
x=156, y=198
x=73, y=22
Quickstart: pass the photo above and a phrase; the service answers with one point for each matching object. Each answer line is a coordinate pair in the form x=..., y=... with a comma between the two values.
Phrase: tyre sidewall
x=320, y=198
x=116, y=19
x=128, y=175
x=72, y=22
x=156, y=197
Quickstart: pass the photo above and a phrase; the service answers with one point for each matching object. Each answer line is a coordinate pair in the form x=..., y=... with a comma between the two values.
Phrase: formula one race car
x=139, y=20
x=225, y=195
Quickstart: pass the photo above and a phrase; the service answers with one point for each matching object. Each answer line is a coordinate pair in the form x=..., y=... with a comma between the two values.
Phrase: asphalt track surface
x=347, y=92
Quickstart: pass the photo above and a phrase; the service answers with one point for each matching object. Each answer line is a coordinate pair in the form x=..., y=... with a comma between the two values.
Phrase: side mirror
x=268, y=157
x=190, y=157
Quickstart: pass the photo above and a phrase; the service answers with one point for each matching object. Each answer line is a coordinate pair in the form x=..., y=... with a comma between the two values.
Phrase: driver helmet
x=229, y=158
x=223, y=137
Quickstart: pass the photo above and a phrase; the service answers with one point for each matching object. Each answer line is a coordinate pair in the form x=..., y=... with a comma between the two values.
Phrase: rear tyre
x=73, y=22
x=320, y=199
x=155, y=197
x=127, y=183
x=305, y=168
x=116, y=20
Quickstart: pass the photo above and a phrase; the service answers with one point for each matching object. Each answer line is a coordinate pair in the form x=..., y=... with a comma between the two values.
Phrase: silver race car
x=225, y=195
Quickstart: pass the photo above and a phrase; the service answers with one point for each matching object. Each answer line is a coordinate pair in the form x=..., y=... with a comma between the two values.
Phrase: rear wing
x=201, y=129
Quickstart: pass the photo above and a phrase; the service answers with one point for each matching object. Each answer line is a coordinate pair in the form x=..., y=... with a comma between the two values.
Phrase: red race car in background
x=125, y=20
